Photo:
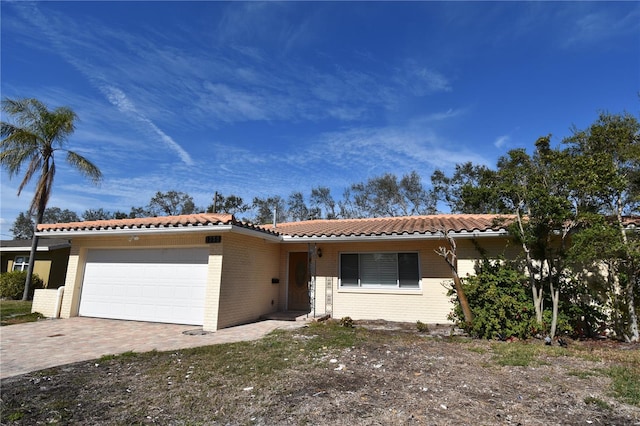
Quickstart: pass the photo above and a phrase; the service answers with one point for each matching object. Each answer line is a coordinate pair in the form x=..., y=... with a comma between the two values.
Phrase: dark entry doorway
x=298, y=292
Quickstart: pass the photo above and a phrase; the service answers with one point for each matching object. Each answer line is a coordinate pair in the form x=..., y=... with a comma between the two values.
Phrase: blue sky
x=260, y=99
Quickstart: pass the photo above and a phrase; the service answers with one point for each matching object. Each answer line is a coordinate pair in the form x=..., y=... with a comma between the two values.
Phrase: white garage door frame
x=152, y=284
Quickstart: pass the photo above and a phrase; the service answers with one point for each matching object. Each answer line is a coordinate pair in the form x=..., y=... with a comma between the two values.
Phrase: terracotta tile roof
x=393, y=225
x=201, y=219
x=631, y=220
x=389, y=226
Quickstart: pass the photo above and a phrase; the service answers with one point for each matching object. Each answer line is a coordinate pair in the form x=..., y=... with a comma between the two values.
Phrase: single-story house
x=52, y=257
x=216, y=271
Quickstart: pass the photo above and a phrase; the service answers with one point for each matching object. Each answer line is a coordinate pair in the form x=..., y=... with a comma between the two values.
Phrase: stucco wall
x=51, y=266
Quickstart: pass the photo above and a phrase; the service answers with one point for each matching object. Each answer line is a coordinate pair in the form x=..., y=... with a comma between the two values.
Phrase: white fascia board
x=257, y=234
x=16, y=249
x=156, y=231
x=394, y=237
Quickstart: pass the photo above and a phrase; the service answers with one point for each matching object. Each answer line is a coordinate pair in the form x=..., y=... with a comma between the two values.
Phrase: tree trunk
x=538, y=301
x=32, y=262
x=632, y=276
x=34, y=247
x=462, y=298
x=555, y=299
x=450, y=256
x=633, y=317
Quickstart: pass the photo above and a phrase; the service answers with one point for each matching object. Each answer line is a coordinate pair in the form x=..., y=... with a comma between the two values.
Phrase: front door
x=298, y=282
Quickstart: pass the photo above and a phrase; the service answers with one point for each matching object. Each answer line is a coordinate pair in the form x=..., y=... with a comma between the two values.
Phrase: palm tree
x=32, y=141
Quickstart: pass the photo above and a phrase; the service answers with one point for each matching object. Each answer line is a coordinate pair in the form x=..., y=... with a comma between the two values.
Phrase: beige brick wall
x=212, y=295
x=73, y=283
x=428, y=304
x=45, y=301
x=241, y=267
x=81, y=245
x=246, y=291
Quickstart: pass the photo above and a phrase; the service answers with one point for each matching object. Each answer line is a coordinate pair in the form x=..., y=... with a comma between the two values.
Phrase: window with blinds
x=382, y=270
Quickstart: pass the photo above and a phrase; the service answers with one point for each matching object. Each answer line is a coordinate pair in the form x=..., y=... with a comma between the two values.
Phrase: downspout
x=59, y=294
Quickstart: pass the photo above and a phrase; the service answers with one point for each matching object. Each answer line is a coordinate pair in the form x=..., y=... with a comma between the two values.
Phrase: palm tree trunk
x=32, y=261
x=34, y=247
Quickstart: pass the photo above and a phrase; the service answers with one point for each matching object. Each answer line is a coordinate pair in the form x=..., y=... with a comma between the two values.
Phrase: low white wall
x=46, y=301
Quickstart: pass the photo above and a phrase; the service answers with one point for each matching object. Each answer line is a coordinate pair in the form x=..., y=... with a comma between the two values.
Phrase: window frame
x=24, y=264
x=359, y=285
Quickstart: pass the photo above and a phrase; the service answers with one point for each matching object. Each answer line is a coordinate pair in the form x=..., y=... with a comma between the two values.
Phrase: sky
x=261, y=99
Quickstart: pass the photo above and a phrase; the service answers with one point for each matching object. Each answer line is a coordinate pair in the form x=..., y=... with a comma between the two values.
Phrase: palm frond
x=32, y=140
x=43, y=189
x=34, y=166
x=28, y=112
x=13, y=159
x=60, y=125
x=84, y=166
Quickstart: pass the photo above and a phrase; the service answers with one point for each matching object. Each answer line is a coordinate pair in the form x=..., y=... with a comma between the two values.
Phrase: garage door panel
x=162, y=285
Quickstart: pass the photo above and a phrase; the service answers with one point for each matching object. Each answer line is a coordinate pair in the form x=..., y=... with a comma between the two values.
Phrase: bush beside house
x=12, y=284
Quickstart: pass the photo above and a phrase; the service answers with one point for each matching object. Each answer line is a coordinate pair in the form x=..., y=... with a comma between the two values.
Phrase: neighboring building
x=52, y=258
x=215, y=271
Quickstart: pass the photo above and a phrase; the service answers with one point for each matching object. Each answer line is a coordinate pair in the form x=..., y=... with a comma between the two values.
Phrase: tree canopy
x=31, y=141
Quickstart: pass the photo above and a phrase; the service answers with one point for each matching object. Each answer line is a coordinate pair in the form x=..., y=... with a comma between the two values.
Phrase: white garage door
x=159, y=285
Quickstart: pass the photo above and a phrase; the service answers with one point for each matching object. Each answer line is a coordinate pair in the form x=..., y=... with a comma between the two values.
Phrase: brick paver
x=43, y=344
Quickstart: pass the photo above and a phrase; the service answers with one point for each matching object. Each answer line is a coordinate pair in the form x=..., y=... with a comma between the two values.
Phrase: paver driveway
x=43, y=344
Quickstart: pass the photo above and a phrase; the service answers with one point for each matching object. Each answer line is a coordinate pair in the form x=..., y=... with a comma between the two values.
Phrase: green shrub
x=12, y=284
x=500, y=300
x=347, y=322
x=422, y=327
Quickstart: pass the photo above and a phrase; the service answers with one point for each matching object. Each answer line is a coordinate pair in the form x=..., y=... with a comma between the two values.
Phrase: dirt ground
x=388, y=374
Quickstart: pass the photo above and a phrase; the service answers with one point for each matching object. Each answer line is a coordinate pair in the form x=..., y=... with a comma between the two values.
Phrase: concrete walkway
x=37, y=345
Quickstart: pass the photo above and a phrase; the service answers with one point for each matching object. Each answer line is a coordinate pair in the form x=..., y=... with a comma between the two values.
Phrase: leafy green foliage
x=422, y=327
x=469, y=190
x=58, y=215
x=12, y=284
x=22, y=228
x=97, y=214
x=499, y=299
x=171, y=203
x=346, y=322
x=386, y=196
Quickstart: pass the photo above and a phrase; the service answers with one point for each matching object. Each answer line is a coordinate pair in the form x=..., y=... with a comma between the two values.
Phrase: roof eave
x=158, y=230
x=393, y=237
x=25, y=248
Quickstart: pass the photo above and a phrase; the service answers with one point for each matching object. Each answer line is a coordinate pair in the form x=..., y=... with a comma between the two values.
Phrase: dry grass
x=328, y=374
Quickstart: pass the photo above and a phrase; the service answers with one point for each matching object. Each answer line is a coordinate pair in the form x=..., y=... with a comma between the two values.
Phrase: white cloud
x=501, y=141
x=601, y=24
x=98, y=79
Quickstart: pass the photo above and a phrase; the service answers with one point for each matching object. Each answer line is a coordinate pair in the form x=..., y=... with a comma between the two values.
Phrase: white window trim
x=24, y=265
x=379, y=288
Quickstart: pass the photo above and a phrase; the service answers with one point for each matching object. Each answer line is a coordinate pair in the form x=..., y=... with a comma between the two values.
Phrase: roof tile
x=406, y=225
x=143, y=222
